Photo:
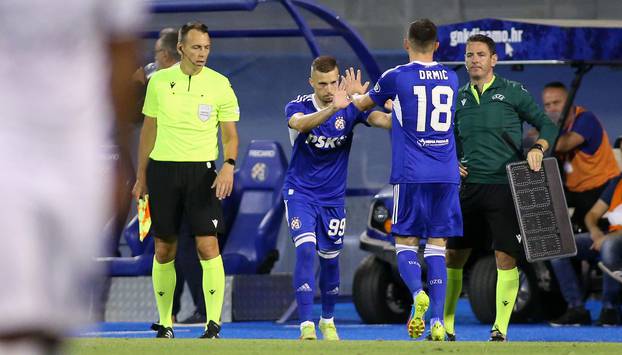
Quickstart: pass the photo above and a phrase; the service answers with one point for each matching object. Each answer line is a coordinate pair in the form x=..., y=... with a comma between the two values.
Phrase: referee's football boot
x=416, y=321
x=212, y=331
x=163, y=332
x=496, y=335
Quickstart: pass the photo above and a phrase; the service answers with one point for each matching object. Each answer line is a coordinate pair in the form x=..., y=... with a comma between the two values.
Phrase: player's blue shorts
x=324, y=226
x=427, y=210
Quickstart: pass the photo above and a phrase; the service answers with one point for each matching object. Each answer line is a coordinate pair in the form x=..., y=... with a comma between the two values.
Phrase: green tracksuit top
x=481, y=120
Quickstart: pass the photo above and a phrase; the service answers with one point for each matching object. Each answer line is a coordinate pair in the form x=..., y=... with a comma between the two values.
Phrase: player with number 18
x=424, y=170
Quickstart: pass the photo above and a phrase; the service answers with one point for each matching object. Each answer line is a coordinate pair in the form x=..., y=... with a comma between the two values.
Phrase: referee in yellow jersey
x=184, y=107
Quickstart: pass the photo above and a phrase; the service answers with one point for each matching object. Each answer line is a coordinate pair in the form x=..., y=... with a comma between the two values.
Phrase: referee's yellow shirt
x=188, y=110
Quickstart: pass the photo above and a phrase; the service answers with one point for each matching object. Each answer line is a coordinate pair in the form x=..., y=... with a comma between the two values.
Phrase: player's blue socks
x=329, y=282
x=434, y=257
x=409, y=267
x=304, y=279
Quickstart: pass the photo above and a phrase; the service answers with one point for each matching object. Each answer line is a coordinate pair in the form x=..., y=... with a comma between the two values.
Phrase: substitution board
x=546, y=231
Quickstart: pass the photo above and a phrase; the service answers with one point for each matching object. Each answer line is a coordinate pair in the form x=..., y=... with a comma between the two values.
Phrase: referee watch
x=230, y=161
x=537, y=146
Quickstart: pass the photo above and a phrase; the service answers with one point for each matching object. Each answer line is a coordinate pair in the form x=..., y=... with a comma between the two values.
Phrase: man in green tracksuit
x=486, y=108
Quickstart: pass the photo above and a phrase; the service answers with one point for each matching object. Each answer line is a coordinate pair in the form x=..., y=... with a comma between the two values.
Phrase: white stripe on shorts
x=307, y=239
x=304, y=235
x=328, y=254
x=396, y=198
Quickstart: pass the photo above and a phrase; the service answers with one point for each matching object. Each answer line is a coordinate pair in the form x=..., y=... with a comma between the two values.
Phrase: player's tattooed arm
x=305, y=123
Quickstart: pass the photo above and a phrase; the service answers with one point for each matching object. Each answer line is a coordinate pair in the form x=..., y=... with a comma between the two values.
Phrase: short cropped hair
x=168, y=40
x=166, y=30
x=556, y=85
x=324, y=64
x=422, y=33
x=194, y=25
x=486, y=40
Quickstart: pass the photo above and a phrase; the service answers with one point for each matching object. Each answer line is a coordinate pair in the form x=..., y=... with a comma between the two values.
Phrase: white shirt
x=54, y=80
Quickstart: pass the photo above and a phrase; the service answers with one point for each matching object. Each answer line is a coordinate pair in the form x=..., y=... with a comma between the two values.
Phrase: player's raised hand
x=341, y=98
x=354, y=86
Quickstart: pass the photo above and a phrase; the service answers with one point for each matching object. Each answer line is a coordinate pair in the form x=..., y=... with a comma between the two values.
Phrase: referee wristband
x=230, y=161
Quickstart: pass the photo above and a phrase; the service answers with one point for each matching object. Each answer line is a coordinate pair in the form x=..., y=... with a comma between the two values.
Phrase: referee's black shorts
x=489, y=216
x=183, y=188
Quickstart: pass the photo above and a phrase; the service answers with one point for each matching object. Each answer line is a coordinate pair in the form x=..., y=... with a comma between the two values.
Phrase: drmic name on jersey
x=325, y=142
x=433, y=75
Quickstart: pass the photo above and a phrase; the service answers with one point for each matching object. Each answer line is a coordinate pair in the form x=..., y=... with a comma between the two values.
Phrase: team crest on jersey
x=340, y=123
x=295, y=223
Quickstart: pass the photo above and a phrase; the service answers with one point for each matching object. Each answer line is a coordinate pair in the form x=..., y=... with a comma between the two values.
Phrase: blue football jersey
x=422, y=134
x=318, y=168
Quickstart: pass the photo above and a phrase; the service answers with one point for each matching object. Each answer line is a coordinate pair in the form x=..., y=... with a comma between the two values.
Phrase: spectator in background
x=165, y=55
x=56, y=117
x=589, y=165
x=588, y=160
x=591, y=247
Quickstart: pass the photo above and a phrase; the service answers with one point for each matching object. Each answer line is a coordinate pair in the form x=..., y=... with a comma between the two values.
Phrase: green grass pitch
x=87, y=346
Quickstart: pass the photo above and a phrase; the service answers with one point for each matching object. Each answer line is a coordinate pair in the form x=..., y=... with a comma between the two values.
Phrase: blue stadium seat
x=253, y=215
x=250, y=245
x=139, y=263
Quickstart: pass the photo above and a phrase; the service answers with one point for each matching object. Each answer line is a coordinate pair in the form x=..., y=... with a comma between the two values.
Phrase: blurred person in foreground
x=56, y=116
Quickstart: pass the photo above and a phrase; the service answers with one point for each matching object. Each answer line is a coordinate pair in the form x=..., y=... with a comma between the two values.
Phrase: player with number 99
x=321, y=131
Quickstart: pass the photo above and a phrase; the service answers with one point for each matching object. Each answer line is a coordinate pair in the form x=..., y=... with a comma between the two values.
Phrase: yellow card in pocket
x=144, y=217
